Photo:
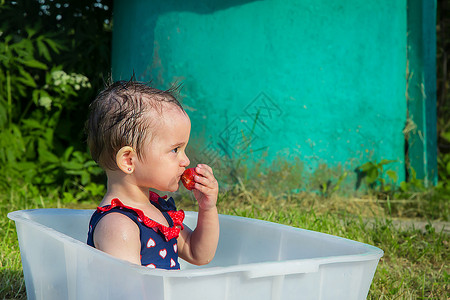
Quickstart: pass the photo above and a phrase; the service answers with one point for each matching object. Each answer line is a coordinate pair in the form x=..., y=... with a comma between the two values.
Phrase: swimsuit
x=158, y=242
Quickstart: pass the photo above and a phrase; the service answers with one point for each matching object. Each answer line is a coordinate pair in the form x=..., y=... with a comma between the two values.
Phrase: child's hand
x=206, y=187
x=199, y=246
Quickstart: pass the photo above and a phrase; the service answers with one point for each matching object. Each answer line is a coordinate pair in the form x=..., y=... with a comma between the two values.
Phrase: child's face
x=164, y=158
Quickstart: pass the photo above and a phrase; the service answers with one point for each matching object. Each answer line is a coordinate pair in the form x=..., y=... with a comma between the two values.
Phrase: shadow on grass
x=12, y=285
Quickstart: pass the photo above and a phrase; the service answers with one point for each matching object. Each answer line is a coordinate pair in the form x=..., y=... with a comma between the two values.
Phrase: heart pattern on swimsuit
x=163, y=253
x=151, y=243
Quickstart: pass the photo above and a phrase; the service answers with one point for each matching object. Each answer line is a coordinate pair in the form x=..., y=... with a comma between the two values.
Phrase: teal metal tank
x=321, y=80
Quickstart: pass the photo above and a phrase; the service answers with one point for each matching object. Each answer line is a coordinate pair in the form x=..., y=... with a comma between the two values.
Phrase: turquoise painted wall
x=321, y=80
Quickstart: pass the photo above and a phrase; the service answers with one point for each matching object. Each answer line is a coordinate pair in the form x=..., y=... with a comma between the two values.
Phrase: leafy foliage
x=373, y=173
x=45, y=66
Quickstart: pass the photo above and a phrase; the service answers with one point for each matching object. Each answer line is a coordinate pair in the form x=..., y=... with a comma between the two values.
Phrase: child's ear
x=125, y=159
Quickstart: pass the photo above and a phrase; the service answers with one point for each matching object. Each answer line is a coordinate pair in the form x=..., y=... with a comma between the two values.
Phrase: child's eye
x=175, y=150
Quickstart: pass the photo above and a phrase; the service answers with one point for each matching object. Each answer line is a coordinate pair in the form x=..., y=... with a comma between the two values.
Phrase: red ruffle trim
x=168, y=232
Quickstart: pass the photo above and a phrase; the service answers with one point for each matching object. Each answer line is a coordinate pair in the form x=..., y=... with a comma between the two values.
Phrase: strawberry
x=188, y=178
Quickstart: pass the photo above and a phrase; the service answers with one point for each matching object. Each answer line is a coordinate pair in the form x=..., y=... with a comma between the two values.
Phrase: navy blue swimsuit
x=158, y=242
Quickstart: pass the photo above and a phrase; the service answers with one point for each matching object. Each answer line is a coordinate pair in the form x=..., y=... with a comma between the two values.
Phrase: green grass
x=415, y=264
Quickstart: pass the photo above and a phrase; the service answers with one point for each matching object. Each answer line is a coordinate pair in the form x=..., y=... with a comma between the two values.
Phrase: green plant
x=328, y=181
x=443, y=185
x=328, y=188
x=413, y=185
x=33, y=98
x=374, y=175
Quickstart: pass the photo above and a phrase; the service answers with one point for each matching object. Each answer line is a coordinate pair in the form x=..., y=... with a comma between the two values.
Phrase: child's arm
x=199, y=246
x=118, y=235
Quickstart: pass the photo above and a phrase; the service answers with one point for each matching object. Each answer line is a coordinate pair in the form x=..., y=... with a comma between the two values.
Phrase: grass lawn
x=415, y=264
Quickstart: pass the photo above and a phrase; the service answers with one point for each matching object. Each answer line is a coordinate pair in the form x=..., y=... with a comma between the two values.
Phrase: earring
x=129, y=169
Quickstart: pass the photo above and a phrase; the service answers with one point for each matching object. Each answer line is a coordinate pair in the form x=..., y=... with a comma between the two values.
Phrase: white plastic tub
x=255, y=260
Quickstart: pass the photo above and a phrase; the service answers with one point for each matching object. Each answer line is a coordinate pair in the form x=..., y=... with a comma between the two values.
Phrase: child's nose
x=185, y=161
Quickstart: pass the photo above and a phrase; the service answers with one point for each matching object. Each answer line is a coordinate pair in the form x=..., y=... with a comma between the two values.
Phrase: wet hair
x=121, y=115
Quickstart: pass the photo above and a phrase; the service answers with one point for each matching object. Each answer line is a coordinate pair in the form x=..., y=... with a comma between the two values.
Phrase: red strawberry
x=188, y=178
